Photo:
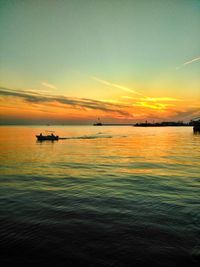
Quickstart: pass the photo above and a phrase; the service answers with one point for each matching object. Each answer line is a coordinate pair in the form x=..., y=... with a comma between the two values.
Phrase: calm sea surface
x=106, y=196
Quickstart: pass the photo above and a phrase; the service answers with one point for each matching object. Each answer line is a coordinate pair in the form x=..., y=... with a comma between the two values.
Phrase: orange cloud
x=28, y=105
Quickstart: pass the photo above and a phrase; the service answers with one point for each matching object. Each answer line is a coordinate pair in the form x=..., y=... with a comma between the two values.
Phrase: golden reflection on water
x=95, y=150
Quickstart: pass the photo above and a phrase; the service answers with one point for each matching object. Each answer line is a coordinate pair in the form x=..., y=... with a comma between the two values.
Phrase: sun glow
x=115, y=61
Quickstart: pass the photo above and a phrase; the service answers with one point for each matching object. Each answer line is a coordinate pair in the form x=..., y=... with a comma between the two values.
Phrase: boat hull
x=47, y=138
x=98, y=124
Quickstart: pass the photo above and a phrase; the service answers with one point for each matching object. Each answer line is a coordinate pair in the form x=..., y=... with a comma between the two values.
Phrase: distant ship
x=196, y=126
x=196, y=129
x=50, y=137
x=98, y=123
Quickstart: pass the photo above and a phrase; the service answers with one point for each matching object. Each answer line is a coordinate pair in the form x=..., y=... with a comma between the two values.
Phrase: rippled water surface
x=105, y=196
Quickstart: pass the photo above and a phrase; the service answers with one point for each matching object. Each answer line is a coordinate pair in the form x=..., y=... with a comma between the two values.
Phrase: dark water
x=106, y=196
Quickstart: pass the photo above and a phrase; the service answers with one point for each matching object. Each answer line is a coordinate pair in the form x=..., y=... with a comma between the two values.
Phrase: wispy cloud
x=188, y=62
x=49, y=85
x=124, y=88
x=75, y=103
x=153, y=99
x=140, y=108
x=188, y=114
x=162, y=99
x=155, y=103
x=158, y=106
x=139, y=96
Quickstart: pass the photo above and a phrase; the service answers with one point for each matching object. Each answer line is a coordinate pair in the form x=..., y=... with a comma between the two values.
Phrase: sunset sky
x=123, y=61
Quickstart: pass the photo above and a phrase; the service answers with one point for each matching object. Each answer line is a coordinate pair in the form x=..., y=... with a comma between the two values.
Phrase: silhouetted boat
x=98, y=123
x=50, y=137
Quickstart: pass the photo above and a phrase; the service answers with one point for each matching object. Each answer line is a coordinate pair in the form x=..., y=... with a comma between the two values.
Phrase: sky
x=121, y=61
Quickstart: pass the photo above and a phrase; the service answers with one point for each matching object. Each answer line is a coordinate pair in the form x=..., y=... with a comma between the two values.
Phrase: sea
x=109, y=196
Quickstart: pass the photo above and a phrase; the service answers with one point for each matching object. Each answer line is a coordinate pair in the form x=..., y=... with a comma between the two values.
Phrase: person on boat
x=40, y=134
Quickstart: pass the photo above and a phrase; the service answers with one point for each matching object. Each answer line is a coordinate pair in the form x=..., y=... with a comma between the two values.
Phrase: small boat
x=50, y=137
x=98, y=123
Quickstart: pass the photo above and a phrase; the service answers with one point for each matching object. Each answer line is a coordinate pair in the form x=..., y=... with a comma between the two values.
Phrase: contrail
x=188, y=62
x=48, y=85
x=193, y=60
x=115, y=85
